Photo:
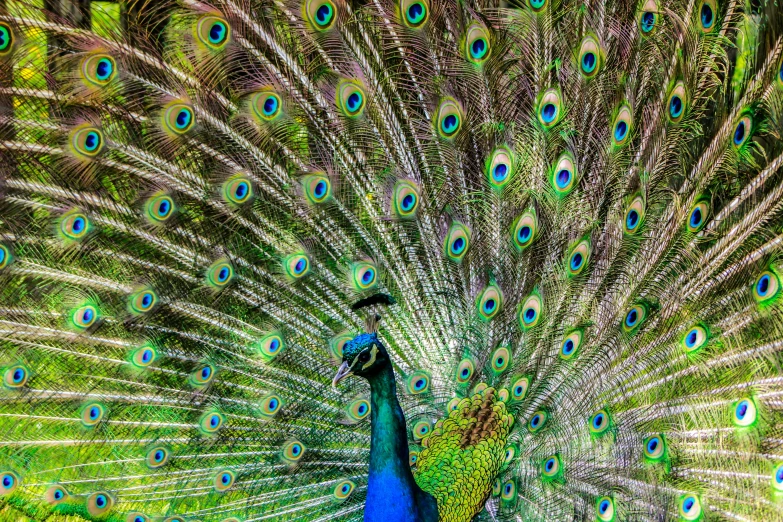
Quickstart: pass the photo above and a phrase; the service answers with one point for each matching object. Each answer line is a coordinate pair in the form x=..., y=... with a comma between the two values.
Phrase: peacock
x=391, y=260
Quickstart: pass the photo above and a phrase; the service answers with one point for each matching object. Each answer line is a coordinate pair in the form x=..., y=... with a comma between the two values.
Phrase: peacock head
x=364, y=355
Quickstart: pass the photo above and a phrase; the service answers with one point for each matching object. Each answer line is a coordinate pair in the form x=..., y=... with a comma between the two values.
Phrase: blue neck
x=392, y=493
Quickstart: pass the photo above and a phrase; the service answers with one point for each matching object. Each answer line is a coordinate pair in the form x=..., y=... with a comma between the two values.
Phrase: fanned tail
x=577, y=205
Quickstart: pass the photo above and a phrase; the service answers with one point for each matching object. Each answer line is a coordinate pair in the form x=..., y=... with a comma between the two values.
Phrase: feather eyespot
x=695, y=338
x=525, y=230
x=508, y=457
x=296, y=266
x=99, y=503
x=16, y=377
x=55, y=494
x=6, y=39
x=413, y=458
x=744, y=413
x=604, y=509
x=549, y=108
x=457, y=242
x=219, y=274
x=589, y=57
x=99, y=69
x=550, y=467
x=537, y=421
x=508, y=492
x=415, y=13
x=634, y=318
x=343, y=489
x=690, y=507
x=137, y=517
x=490, y=302
x=144, y=356
x=213, y=31
x=351, y=98
x=780, y=73
x=358, y=409
x=237, y=190
x=142, y=301
x=500, y=167
x=317, y=188
x=777, y=478
x=477, y=46
x=449, y=118
x=578, y=257
x=563, y=175
x=421, y=429
x=266, y=105
x=501, y=360
x=418, y=382
x=271, y=346
x=697, y=217
x=9, y=482
x=537, y=5
x=648, y=17
x=6, y=257
x=337, y=343
x=519, y=389
x=677, y=103
x=157, y=457
x=74, y=226
x=364, y=275
x=570, y=345
x=405, y=199
x=320, y=13
x=707, y=14
x=92, y=414
x=634, y=216
x=178, y=118
x=84, y=317
x=742, y=130
x=621, y=126
x=159, y=209
x=530, y=312
x=655, y=448
x=465, y=370
x=223, y=481
x=87, y=141
x=270, y=406
x=600, y=422
x=293, y=451
x=766, y=287
x=202, y=376
x=211, y=422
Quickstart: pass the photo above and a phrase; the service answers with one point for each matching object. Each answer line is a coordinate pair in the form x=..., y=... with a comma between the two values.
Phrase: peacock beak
x=342, y=372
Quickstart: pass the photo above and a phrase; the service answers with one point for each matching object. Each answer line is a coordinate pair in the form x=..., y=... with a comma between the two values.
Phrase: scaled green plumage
x=575, y=207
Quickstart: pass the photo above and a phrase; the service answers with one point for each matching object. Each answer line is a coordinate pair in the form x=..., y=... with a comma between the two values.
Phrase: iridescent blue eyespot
x=563, y=178
x=548, y=112
x=648, y=21
x=707, y=15
x=6, y=38
x=212, y=32
x=620, y=131
x=589, y=62
x=675, y=106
